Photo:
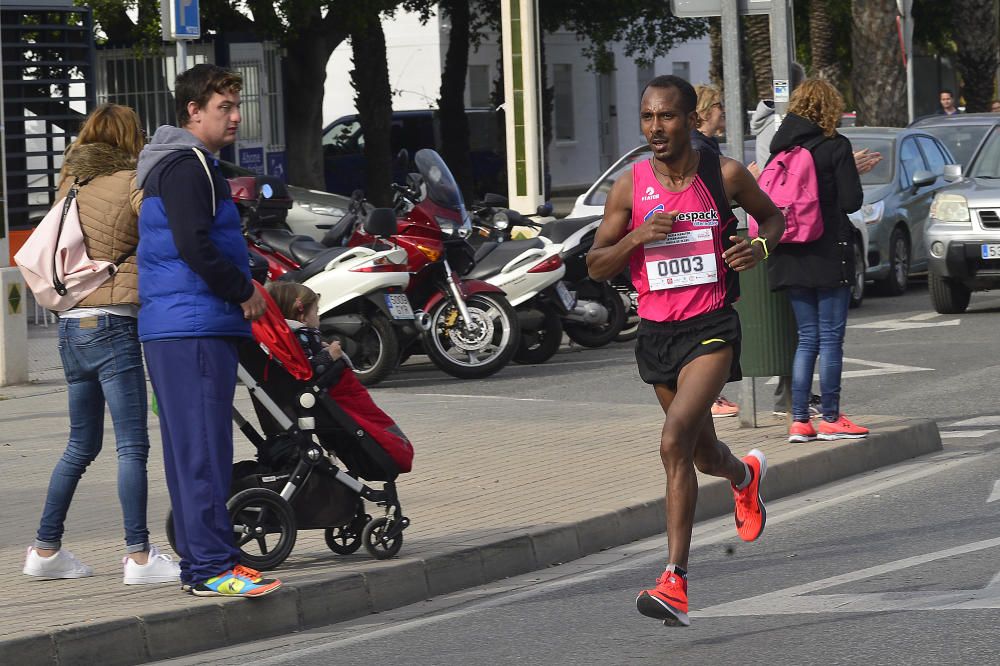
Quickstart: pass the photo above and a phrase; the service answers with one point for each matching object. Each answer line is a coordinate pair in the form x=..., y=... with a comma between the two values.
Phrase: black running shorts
x=663, y=348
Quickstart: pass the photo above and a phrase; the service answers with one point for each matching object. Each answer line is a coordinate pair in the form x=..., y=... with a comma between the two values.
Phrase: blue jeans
x=102, y=361
x=821, y=316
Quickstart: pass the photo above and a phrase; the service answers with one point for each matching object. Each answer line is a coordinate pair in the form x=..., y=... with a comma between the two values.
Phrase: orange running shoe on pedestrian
x=842, y=428
x=722, y=408
x=668, y=601
x=801, y=432
x=750, y=512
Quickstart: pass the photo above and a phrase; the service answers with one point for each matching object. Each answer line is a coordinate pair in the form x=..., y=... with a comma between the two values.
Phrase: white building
x=596, y=116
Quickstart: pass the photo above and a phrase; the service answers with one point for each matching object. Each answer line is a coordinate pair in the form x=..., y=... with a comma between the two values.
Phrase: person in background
x=817, y=275
x=995, y=106
x=947, y=100
x=100, y=352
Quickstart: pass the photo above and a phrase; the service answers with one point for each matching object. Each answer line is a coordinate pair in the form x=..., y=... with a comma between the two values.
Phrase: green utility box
x=768, y=323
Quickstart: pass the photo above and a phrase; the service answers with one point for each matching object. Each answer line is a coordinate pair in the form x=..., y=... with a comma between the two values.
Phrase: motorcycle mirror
x=544, y=210
x=381, y=223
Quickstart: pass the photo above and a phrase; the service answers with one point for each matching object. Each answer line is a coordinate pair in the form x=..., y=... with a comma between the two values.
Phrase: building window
x=563, y=108
x=644, y=74
x=683, y=70
x=479, y=85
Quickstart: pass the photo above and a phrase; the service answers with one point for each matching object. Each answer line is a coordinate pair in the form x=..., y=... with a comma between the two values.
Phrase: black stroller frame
x=271, y=499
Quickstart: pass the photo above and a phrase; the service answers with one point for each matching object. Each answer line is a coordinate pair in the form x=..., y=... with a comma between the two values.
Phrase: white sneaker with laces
x=61, y=565
x=160, y=568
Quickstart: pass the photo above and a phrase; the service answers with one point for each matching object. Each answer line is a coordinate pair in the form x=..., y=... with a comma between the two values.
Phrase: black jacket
x=829, y=261
x=700, y=141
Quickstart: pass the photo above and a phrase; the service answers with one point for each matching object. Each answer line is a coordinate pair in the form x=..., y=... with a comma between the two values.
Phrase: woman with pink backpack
x=814, y=262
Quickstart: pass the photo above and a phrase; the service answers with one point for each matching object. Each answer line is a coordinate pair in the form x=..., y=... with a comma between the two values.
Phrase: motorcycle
x=469, y=328
x=597, y=311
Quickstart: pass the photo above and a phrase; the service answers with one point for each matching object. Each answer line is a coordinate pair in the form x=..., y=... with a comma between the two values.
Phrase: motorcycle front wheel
x=479, y=350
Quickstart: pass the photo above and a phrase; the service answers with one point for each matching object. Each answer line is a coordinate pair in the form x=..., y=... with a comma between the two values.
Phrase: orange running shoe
x=750, y=512
x=801, y=432
x=668, y=601
x=722, y=408
x=842, y=428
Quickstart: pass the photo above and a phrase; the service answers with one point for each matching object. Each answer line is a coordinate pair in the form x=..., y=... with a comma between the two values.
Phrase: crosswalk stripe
x=957, y=434
x=993, y=420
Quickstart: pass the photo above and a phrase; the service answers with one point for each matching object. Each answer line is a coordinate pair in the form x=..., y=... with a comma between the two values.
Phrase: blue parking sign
x=181, y=19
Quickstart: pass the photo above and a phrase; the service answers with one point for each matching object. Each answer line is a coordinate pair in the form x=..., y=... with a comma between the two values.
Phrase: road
x=895, y=567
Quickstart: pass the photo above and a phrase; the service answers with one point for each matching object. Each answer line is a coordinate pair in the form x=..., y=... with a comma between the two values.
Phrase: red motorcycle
x=469, y=329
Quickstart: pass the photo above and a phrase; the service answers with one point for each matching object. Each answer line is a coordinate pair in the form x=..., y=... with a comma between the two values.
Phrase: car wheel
x=899, y=264
x=858, y=286
x=948, y=296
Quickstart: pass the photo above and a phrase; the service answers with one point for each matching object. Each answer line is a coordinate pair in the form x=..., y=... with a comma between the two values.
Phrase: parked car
x=963, y=237
x=592, y=202
x=897, y=200
x=312, y=212
x=344, y=142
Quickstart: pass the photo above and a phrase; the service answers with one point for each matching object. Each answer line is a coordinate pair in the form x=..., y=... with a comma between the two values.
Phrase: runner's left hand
x=742, y=255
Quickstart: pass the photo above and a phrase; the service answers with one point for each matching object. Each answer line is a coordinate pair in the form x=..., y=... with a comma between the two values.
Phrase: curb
x=326, y=599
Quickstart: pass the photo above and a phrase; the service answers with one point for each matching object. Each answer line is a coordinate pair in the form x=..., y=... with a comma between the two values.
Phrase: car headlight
x=950, y=208
x=320, y=209
x=870, y=213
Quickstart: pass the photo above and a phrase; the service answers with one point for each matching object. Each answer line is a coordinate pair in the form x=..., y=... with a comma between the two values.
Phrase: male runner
x=669, y=218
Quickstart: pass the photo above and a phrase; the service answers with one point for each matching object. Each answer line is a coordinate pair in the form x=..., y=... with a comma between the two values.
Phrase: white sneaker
x=159, y=569
x=61, y=565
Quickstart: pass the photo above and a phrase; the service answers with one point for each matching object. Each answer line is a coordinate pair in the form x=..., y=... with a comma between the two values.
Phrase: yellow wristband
x=763, y=244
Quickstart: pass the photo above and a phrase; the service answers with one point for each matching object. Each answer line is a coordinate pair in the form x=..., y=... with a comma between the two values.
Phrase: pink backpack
x=54, y=260
x=789, y=179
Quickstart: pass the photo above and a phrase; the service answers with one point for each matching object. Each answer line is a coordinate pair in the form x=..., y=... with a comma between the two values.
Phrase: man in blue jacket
x=197, y=302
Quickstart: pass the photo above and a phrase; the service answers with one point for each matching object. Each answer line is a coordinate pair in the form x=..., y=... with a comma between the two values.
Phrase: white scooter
x=530, y=272
x=361, y=299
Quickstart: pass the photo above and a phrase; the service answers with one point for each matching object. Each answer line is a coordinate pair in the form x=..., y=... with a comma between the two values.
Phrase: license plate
x=399, y=306
x=991, y=250
x=565, y=295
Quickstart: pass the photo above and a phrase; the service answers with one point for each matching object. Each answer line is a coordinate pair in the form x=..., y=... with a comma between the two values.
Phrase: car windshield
x=960, y=139
x=882, y=173
x=988, y=163
x=599, y=194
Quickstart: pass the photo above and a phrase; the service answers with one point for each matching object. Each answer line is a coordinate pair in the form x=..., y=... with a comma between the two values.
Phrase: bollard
x=13, y=328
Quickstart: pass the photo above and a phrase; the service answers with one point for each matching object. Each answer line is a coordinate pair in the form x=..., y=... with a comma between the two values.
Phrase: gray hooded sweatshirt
x=762, y=127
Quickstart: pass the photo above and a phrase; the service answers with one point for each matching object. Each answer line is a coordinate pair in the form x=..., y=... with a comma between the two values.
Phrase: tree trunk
x=757, y=31
x=878, y=79
x=370, y=79
x=822, y=42
x=715, y=47
x=305, y=75
x=454, y=125
x=975, y=30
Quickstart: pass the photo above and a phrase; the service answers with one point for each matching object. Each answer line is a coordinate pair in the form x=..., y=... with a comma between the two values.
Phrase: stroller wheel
x=343, y=540
x=375, y=542
x=264, y=527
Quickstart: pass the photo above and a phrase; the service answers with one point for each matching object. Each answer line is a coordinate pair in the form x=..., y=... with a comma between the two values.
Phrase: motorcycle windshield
x=441, y=186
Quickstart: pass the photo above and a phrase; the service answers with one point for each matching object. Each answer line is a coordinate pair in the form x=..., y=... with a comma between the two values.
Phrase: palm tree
x=878, y=79
x=757, y=36
x=975, y=30
x=822, y=42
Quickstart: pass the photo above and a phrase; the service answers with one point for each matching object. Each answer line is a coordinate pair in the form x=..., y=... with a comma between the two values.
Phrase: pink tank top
x=683, y=276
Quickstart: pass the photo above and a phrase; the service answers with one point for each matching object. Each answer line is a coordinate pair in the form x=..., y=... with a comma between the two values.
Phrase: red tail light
x=550, y=264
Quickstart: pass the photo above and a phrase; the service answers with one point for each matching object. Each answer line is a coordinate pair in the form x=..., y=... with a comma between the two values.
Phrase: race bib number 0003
x=681, y=260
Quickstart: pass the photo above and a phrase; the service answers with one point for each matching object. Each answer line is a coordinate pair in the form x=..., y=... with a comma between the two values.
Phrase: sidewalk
x=491, y=495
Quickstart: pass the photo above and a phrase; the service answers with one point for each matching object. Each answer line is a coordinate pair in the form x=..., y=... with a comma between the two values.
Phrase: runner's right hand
x=656, y=227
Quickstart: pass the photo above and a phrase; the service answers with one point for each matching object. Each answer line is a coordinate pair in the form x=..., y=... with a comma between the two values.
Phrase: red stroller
x=295, y=483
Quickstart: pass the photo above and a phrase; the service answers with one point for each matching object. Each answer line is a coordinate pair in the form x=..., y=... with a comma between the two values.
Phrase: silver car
x=963, y=238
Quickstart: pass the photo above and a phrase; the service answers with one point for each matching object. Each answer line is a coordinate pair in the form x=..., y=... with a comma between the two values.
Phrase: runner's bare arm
x=614, y=243
x=742, y=188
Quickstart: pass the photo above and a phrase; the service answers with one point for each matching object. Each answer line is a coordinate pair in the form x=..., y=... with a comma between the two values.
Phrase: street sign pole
x=781, y=58
x=905, y=8
x=180, y=20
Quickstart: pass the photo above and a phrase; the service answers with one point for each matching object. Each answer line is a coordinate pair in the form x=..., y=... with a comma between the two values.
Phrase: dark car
x=897, y=199
x=344, y=142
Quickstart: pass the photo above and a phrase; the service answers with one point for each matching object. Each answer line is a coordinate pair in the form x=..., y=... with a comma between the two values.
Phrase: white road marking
x=875, y=369
x=481, y=397
x=915, y=321
x=962, y=434
x=994, y=496
x=978, y=421
x=799, y=598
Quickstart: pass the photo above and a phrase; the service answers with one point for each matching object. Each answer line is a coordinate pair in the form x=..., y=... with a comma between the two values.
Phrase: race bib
x=683, y=259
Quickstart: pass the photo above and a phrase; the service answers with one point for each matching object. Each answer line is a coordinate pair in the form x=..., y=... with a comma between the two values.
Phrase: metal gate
x=260, y=143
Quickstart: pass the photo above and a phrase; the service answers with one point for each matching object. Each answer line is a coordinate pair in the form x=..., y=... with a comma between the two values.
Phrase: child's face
x=311, y=316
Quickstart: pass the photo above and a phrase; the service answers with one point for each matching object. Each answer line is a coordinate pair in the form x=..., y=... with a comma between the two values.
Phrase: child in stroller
x=308, y=416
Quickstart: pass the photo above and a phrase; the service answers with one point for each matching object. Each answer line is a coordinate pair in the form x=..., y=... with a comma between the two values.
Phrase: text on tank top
x=684, y=275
